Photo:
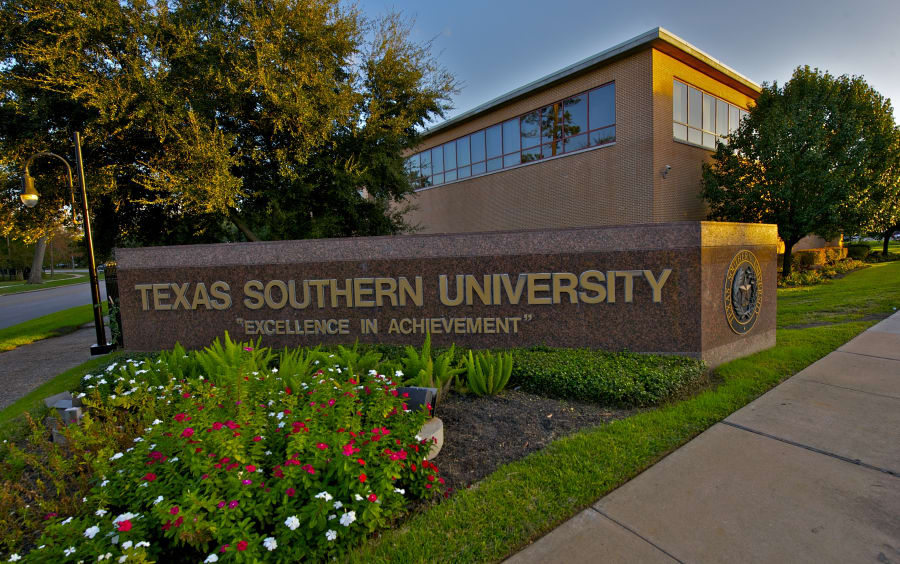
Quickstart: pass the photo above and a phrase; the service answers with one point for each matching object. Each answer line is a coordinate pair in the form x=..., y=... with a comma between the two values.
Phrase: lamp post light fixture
x=29, y=197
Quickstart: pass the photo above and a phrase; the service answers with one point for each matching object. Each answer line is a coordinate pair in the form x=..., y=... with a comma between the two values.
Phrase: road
x=17, y=308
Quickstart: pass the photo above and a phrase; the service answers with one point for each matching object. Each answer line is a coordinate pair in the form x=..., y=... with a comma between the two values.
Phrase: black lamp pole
x=30, y=196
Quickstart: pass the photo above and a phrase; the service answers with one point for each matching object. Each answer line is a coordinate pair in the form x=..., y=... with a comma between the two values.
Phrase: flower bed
x=232, y=460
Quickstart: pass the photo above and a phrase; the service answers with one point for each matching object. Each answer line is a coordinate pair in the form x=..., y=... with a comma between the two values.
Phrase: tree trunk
x=236, y=220
x=786, y=263
x=52, y=266
x=887, y=239
x=37, y=263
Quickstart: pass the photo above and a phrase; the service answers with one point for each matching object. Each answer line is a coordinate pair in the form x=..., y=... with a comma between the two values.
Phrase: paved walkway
x=27, y=367
x=809, y=472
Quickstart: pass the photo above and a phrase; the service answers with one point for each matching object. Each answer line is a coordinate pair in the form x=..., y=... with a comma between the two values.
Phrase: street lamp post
x=29, y=197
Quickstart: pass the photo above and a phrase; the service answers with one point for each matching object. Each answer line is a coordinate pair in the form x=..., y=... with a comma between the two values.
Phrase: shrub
x=810, y=258
x=803, y=278
x=858, y=251
x=624, y=379
x=243, y=465
x=486, y=374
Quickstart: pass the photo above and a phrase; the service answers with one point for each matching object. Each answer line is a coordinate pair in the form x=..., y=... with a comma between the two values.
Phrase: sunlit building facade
x=616, y=138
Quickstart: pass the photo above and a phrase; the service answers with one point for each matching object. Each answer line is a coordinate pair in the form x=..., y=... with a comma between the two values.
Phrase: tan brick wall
x=677, y=197
x=604, y=186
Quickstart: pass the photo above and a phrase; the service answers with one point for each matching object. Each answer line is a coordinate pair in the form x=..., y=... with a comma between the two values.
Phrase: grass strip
x=19, y=286
x=872, y=290
x=52, y=325
x=527, y=498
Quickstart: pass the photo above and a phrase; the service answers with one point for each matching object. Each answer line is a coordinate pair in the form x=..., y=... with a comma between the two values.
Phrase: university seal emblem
x=743, y=292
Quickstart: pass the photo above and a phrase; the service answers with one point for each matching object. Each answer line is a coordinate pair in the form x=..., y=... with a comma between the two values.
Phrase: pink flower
x=187, y=432
x=217, y=425
x=331, y=403
x=321, y=446
x=250, y=468
x=232, y=504
x=257, y=438
x=180, y=417
x=290, y=492
x=242, y=545
x=175, y=509
x=150, y=476
x=248, y=349
x=246, y=482
x=372, y=497
x=221, y=505
x=124, y=526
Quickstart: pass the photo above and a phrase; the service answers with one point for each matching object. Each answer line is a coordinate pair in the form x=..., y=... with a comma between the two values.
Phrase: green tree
x=217, y=121
x=810, y=157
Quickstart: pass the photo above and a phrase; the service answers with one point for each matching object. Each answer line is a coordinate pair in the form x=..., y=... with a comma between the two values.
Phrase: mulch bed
x=483, y=433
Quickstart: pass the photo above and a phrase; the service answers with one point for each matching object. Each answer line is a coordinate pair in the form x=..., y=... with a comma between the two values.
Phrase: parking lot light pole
x=29, y=197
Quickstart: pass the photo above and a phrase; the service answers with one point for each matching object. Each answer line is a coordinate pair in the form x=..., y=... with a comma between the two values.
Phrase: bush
x=803, y=278
x=858, y=251
x=249, y=463
x=809, y=258
x=624, y=379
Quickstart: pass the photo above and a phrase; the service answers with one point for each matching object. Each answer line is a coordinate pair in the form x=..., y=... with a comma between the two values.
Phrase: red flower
x=242, y=545
x=430, y=478
x=217, y=425
x=257, y=438
x=372, y=497
x=361, y=461
x=124, y=526
x=187, y=432
x=179, y=521
x=175, y=509
x=250, y=468
x=288, y=391
x=180, y=417
x=321, y=446
x=150, y=476
x=185, y=395
x=291, y=491
x=362, y=478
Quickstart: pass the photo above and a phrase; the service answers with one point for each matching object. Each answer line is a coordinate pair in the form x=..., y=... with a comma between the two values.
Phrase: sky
x=495, y=46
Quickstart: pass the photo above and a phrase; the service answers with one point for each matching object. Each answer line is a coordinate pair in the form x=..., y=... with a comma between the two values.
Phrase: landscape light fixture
x=29, y=197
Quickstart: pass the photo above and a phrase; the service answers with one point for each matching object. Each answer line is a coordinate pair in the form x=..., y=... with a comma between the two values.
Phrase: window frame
x=701, y=132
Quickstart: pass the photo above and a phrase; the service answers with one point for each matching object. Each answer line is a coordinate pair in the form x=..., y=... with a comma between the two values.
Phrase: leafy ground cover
x=52, y=325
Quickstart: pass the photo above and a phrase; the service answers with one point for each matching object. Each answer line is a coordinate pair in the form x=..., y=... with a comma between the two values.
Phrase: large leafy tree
x=811, y=157
x=216, y=120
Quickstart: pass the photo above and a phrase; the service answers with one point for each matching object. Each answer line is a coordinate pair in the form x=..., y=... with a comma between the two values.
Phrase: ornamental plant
x=250, y=465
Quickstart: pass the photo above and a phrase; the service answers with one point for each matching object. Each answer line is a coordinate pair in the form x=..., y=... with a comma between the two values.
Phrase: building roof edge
x=644, y=40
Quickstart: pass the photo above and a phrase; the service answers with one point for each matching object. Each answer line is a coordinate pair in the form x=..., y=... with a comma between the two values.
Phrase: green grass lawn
x=60, y=279
x=52, y=325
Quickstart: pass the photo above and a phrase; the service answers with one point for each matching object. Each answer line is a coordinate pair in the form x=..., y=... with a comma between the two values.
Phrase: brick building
x=616, y=138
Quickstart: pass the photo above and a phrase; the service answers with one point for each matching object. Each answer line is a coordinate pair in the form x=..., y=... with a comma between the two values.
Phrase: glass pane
x=478, y=168
x=552, y=149
x=437, y=159
x=680, y=132
x=576, y=143
x=694, y=136
x=721, y=117
x=743, y=114
x=464, y=171
x=695, y=99
x=549, y=123
x=603, y=106
x=679, y=103
x=494, y=164
x=412, y=166
x=722, y=140
x=709, y=140
x=493, y=141
x=531, y=126
x=450, y=176
x=511, y=136
x=709, y=113
x=462, y=151
x=603, y=136
x=425, y=163
x=530, y=155
x=438, y=179
x=450, y=155
x=733, y=118
x=477, y=146
x=575, y=116
x=511, y=159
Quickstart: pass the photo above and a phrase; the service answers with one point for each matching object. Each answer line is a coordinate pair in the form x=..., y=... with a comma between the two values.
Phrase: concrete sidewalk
x=809, y=472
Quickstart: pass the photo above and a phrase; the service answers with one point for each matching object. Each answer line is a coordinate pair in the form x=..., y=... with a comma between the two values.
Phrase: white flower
x=212, y=558
x=281, y=425
x=69, y=550
x=292, y=522
x=124, y=517
x=173, y=459
x=116, y=456
x=67, y=521
x=274, y=371
x=268, y=453
x=138, y=439
x=144, y=485
x=14, y=557
x=88, y=376
x=114, y=540
x=156, y=422
x=81, y=395
x=91, y=532
x=348, y=518
x=373, y=372
x=126, y=545
x=331, y=517
x=270, y=543
x=400, y=491
x=398, y=374
x=357, y=497
x=100, y=512
x=338, y=504
x=330, y=535
x=324, y=495
x=142, y=543
x=280, y=415
x=103, y=557
x=123, y=558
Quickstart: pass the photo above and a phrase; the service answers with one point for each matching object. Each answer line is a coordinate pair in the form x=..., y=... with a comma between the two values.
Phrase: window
x=700, y=118
x=579, y=122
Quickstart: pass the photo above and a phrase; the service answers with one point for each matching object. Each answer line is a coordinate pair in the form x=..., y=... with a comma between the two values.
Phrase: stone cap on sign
x=651, y=236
